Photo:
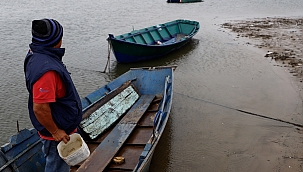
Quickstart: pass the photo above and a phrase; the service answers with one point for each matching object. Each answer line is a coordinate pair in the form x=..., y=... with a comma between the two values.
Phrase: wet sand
x=281, y=39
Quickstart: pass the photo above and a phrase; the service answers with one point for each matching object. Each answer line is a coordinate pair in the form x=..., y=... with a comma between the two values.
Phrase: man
x=54, y=104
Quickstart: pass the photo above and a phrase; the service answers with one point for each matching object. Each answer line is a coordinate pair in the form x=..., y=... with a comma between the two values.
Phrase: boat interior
x=162, y=34
x=130, y=138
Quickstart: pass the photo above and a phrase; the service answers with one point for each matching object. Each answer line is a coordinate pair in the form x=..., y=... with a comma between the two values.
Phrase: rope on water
x=243, y=111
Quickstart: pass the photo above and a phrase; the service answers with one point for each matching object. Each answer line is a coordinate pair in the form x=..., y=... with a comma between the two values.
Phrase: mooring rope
x=108, y=57
x=243, y=111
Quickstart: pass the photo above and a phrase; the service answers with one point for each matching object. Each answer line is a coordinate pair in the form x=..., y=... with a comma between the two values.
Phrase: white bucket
x=75, y=151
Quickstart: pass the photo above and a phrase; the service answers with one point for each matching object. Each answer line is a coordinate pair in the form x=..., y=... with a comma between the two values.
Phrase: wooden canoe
x=124, y=119
x=183, y=1
x=152, y=42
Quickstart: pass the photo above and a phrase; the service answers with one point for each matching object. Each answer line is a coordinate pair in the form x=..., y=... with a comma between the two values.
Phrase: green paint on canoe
x=154, y=41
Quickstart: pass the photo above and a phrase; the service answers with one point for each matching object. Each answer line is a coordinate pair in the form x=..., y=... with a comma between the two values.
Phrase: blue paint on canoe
x=24, y=153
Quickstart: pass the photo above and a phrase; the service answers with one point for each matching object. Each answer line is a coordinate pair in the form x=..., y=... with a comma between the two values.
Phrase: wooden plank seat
x=108, y=148
x=103, y=114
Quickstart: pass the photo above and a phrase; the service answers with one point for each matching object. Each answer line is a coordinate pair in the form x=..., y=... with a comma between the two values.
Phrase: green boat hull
x=152, y=42
x=183, y=1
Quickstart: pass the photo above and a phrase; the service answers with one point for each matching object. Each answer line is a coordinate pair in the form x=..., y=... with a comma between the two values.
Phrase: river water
x=214, y=75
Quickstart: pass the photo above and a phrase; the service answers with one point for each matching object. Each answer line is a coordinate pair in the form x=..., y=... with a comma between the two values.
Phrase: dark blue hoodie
x=66, y=111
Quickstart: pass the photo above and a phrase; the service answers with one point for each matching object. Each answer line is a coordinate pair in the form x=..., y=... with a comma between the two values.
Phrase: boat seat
x=108, y=148
x=103, y=114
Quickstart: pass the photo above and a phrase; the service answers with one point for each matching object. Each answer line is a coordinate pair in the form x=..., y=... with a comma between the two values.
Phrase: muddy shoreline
x=281, y=38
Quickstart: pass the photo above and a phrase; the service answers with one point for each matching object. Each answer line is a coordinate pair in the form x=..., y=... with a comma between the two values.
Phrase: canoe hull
x=137, y=148
x=22, y=153
x=152, y=42
x=128, y=53
x=183, y=1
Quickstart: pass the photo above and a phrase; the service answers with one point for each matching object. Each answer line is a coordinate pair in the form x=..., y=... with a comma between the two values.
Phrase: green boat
x=183, y=1
x=152, y=42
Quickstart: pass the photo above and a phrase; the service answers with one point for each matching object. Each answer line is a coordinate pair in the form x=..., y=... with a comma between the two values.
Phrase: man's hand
x=60, y=135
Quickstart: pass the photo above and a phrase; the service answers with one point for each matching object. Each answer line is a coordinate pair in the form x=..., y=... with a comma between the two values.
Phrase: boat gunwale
x=147, y=160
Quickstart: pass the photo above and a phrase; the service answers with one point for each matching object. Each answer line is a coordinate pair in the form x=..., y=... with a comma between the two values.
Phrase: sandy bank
x=282, y=38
